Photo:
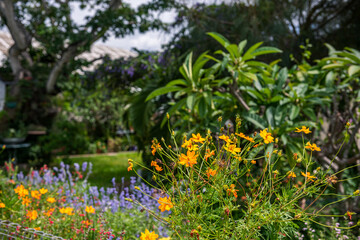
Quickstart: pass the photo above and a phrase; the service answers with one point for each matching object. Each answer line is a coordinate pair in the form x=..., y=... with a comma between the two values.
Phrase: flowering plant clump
x=234, y=186
x=59, y=201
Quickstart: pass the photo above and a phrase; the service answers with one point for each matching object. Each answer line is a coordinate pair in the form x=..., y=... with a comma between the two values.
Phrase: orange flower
x=232, y=148
x=49, y=212
x=210, y=172
x=253, y=161
x=232, y=190
x=312, y=147
x=189, y=159
x=51, y=200
x=291, y=174
x=67, y=210
x=225, y=138
x=36, y=194
x=155, y=147
x=157, y=167
x=250, y=139
x=86, y=223
x=303, y=129
x=43, y=190
x=32, y=215
x=165, y=204
x=148, y=235
x=2, y=205
x=89, y=209
x=131, y=165
x=266, y=136
x=208, y=154
x=197, y=138
x=21, y=191
x=37, y=228
x=308, y=175
x=26, y=201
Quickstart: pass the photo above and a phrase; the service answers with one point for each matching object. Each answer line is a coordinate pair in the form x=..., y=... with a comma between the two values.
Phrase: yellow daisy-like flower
x=303, y=129
x=26, y=201
x=291, y=174
x=51, y=200
x=208, y=154
x=250, y=139
x=312, y=147
x=36, y=194
x=2, y=205
x=32, y=215
x=189, y=159
x=266, y=136
x=225, y=138
x=197, y=138
x=89, y=209
x=43, y=190
x=210, y=172
x=232, y=148
x=165, y=204
x=148, y=235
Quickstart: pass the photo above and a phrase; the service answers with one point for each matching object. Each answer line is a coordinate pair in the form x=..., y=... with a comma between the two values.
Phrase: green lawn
x=106, y=167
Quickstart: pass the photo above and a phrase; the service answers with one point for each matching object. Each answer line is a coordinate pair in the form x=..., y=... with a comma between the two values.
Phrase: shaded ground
x=105, y=166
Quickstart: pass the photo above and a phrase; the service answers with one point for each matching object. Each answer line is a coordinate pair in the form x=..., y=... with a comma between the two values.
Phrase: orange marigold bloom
x=51, y=200
x=36, y=194
x=197, y=138
x=308, y=175
x=89, y=209
x=43, y=190
x=189, y=159
x=148, y=235
x=26, y=201
x=266, y=136
x=32, y=215
x=165, y=204
x=210, y=172
x=2, y=205
x=312, y=147
x=303, y=129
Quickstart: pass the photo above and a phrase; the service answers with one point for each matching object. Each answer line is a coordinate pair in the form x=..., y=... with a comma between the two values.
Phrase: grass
x=105, y=167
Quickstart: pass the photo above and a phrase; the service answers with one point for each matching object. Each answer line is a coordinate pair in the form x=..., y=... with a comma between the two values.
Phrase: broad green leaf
x=283, y=74
x=353, y=69
x=294, y=112
x=190, y=101
x=333, y=65
x=265, y=50
x=248, y=54
x=202, y=108
x=310, y=113
x=241, y=46
x=255, y=119
x=249, y=75
x=162, y=91
x=269, y=113
x=233, y=50
x=176, y=82
x=220, y=38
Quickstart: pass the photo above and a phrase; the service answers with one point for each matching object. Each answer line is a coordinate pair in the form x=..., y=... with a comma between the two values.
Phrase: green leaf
x=333, y=65
x=241, y=46
x=294, y=112
x=269, y=113
x=202, y=108
x=176, y=82
x=190, y=101
x=265, y=50
x=220, y=38
x=310, y=113
x=248, y=55
x=162, y=91
x=255, y=119
x=283, y=74
x=353, y=69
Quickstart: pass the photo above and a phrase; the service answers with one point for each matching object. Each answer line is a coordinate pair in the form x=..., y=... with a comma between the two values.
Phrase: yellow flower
x=43, y=190
x=291, y=174
x=197, y=138
x=225, y=138
x=148, y=235
x=32, y=215
x=21, y=191
x=308, y=175
x=2, y=205
x=232, y=190
x=51, y=200
x=232, y=148
x=210, y=172
x=266, y=136
x=165, y=204
x=155, y=147
x=49, y=212
x=37, y=228
x=157, y=167
x=312, y=147
x=89, y=209
x=253, y=161
x=167, y=238
x=303, y=129
x=36, y=194
x=67, y=210
x=189, y=159
x=26, y=201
